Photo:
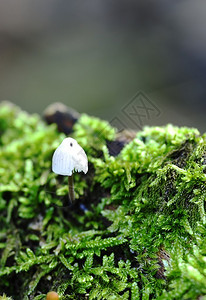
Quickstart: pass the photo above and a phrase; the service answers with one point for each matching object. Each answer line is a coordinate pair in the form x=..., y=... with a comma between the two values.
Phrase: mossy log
x=136, y=230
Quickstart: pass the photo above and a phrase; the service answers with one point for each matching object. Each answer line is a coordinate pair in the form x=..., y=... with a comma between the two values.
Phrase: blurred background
x=96, y=55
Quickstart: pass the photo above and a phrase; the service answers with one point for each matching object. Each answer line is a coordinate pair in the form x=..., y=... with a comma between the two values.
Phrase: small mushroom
x=67, y=158
x=52, y=296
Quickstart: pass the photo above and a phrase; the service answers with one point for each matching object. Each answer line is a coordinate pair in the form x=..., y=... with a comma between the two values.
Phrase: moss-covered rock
x=136, y=231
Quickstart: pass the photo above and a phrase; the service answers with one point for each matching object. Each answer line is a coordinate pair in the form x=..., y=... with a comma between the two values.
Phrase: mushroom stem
x=71, y=189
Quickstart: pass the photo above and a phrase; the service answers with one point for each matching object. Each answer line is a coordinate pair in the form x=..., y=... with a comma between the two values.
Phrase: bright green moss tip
x=136, y=231
x=92, y=133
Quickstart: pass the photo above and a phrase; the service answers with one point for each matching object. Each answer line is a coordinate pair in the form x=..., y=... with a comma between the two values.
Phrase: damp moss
x=136, y=231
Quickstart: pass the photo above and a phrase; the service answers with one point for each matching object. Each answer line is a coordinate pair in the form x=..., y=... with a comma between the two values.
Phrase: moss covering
x=136, y=231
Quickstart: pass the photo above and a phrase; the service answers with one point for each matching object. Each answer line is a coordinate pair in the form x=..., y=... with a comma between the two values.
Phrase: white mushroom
x=67, y=158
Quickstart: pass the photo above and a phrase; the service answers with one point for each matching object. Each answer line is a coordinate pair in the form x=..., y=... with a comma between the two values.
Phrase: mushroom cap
x=69, y=157
x=52, y=296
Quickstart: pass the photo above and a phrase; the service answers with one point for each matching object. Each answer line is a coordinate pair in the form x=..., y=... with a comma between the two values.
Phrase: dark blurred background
x=96, y=55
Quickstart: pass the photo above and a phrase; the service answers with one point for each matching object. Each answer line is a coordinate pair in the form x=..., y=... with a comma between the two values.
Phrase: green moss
x=92, y=134
x=136, y=231
x=4, y=297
